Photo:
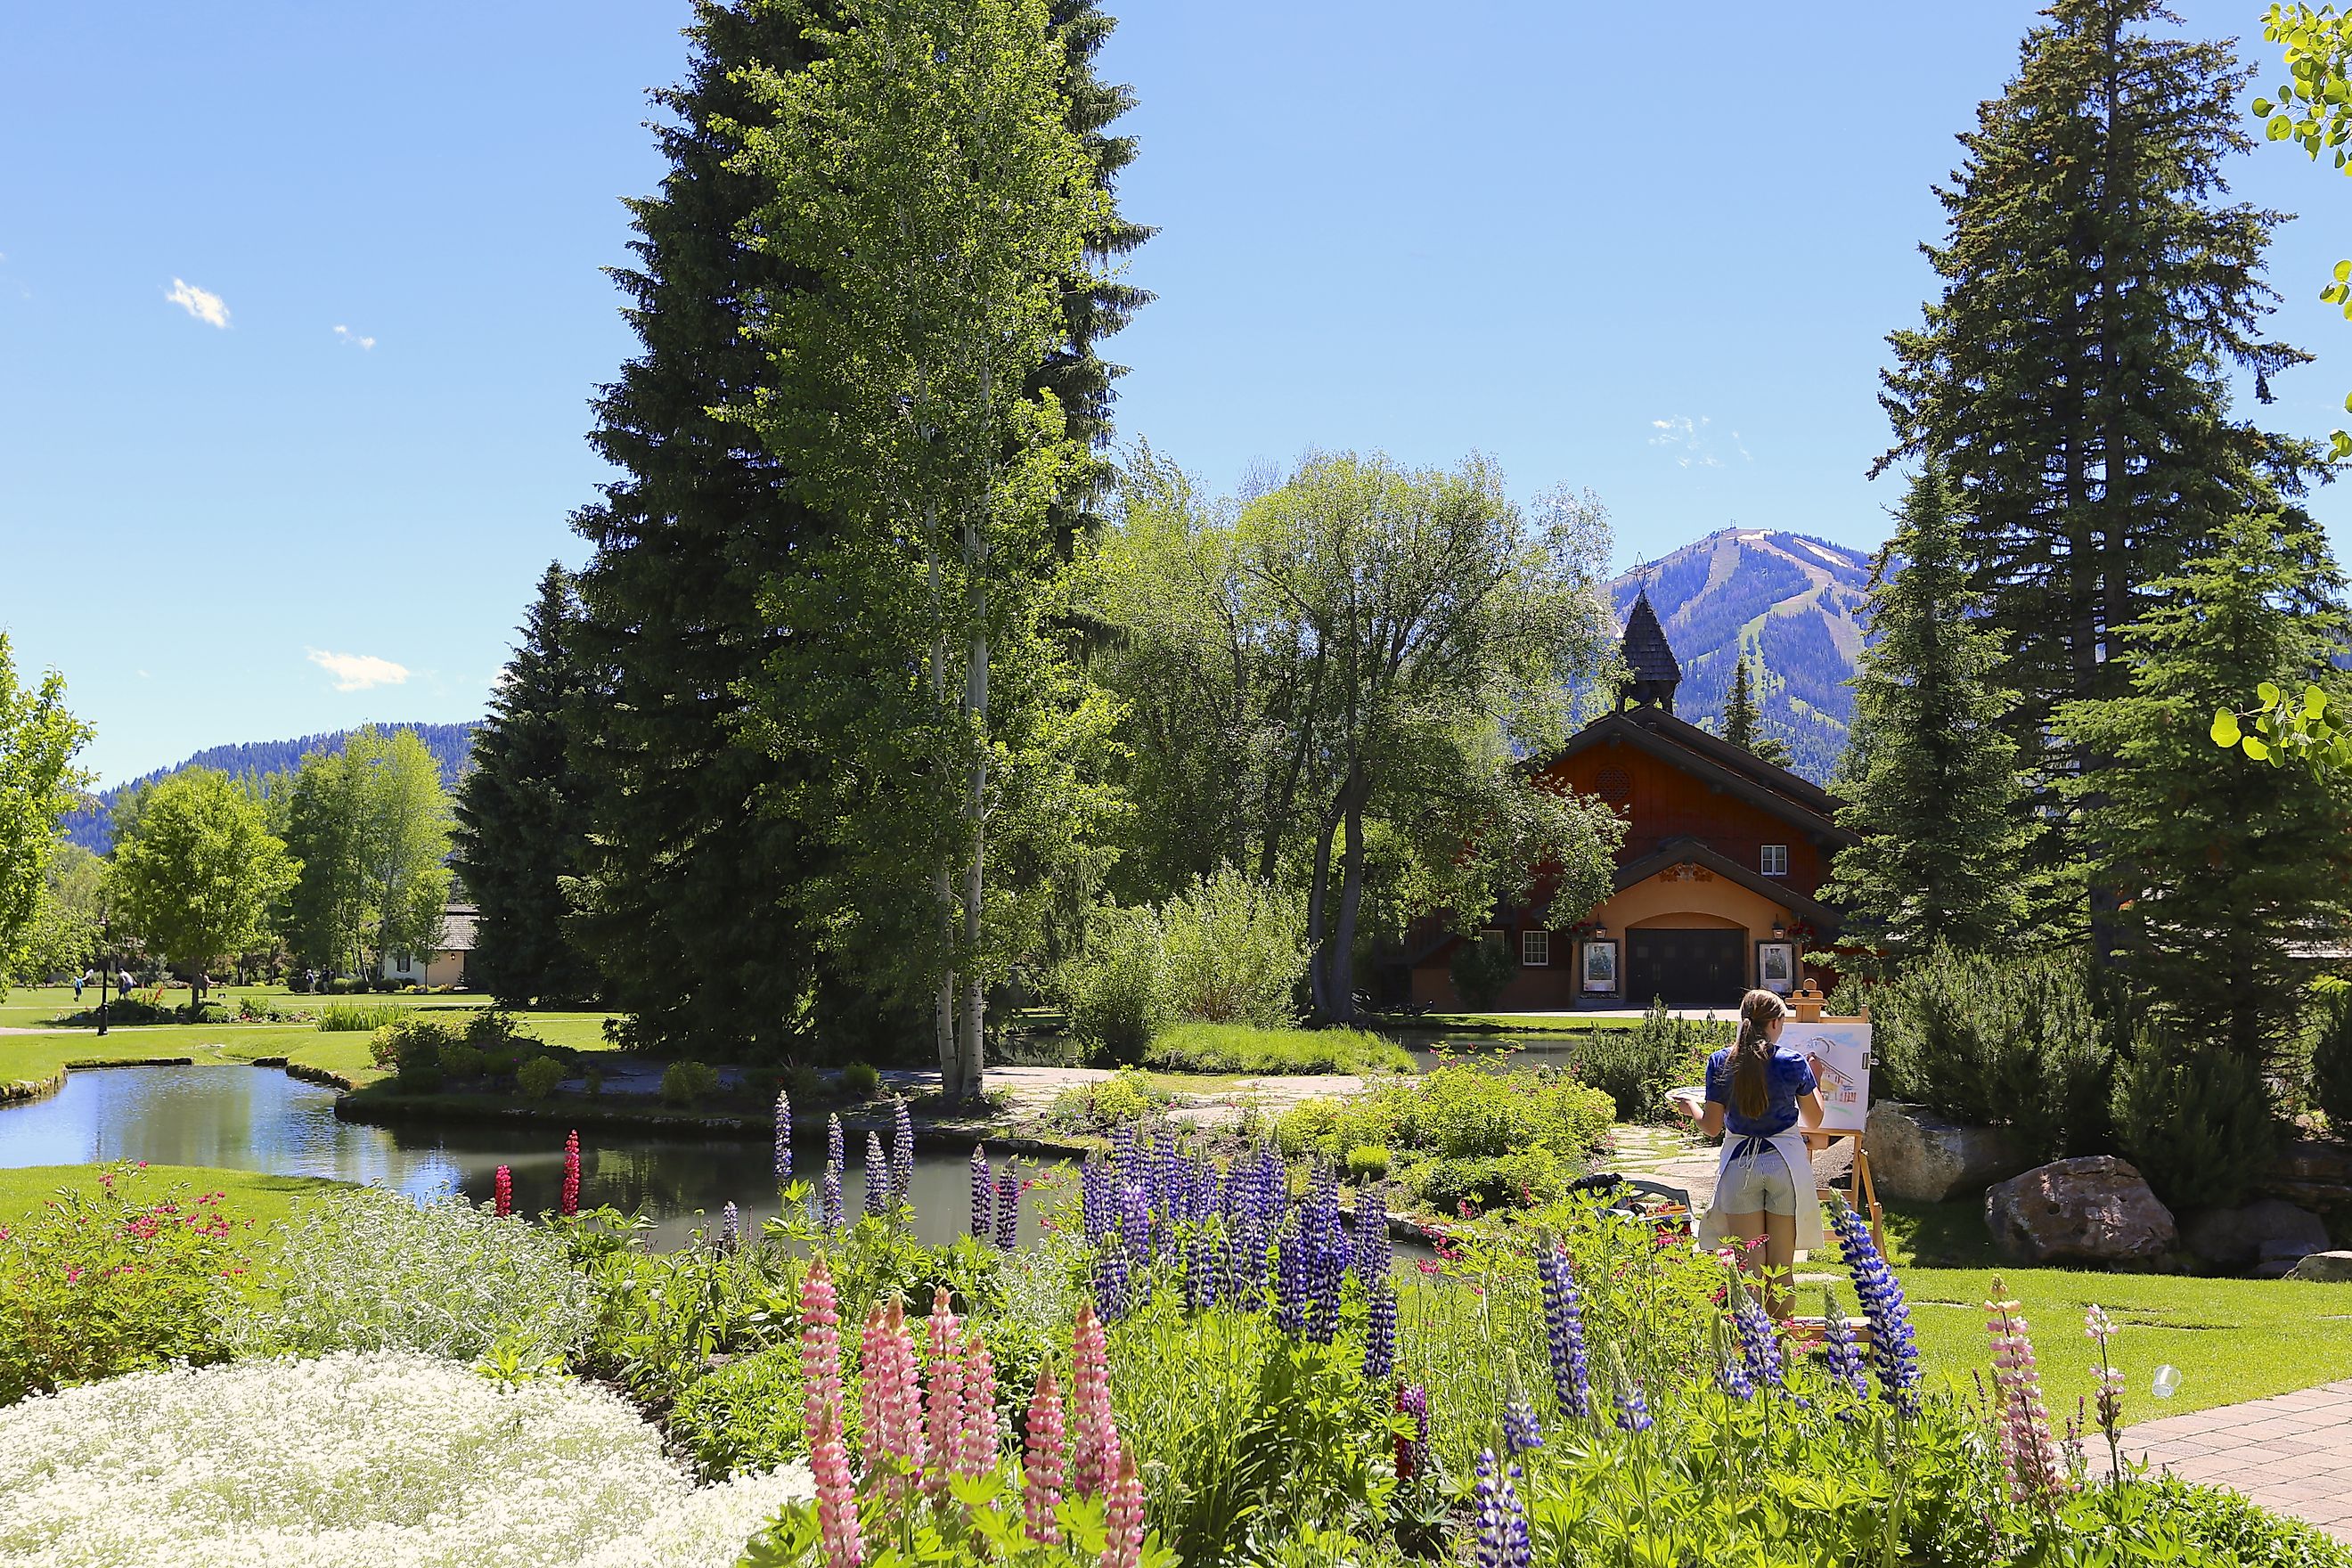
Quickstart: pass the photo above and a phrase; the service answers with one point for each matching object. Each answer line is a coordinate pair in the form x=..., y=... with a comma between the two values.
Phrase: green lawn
x=1503, y=1023
x=249, y=1195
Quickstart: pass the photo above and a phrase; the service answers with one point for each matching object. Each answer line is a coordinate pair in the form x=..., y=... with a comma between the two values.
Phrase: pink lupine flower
x=571, y=1203
x=2030, y=1456
x=1041, y=1472
x=1124, y=1549
x=836, y=1497
x=873, y=1383
x=820, y=1349
x=901, y=1408
x=976, y=1454
x=1093, y=1440
x=943, y=1398
x=502, y=1192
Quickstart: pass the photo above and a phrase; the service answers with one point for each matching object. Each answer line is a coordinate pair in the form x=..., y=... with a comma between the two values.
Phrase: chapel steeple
x=1651, y=668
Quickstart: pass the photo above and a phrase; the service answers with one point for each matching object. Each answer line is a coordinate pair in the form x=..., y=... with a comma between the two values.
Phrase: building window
x=1535, y=950
x=1775, y=860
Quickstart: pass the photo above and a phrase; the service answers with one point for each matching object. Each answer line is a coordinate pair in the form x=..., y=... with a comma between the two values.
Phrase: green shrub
x=1636, y=1067
x=2331, y=1063
x=805, y=1085
x=1481, y=968
x=1367, y=1163
x=411, y=1047
x=462, y=1061
x=687, y=1083
x=1246, y=1048
x=496, y=1030
x=744, y=1417
x=1231, y=952
x=112, y=1277
x=861, y=1081
x=2198, y=1122
x=1115, y=989
x=349, y=1018
x=537, y=1078
x=1461, y=1133
x=1125, y=1096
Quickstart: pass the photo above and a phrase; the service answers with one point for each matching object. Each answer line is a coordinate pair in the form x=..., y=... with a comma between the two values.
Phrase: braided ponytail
x=1751, y=1053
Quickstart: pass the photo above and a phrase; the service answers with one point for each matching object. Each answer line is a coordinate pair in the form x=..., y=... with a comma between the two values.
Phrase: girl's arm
x=1710, y=1119
x=1809, y=1109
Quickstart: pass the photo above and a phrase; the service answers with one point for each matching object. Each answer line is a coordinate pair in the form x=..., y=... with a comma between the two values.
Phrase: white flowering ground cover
x=388, y=1460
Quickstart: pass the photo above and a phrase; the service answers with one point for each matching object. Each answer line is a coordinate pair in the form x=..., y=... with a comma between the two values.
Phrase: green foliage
x=688, y=1083
x=746, y=1415
x=462, y=1061
x=1367, y=1163
x=1636, y=1067
x=1242, y=1048
x=2311, y=109
x=371, y=826
x=537, y=1078
x=1115, y=989
x=64, y=939
x=197, y=878
x=496, y=1030
x=1481, y=967
x=368, y=1270
x=2196, y=1122
x=360, y=1017
x=861, y=1081
x=1125, y=1096
x=102, y=1282
x=37, y=741
x=1232, y=951
x=521, y=814
x=1462, y=1135
x=2331, y=1062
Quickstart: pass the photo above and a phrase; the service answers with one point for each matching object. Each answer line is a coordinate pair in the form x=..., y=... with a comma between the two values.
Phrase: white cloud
x=203, y=304
x=344, y=334
x=1691, y=442
x=358, y=672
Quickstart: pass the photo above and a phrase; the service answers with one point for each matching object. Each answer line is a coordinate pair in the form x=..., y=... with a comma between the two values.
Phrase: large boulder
x=2096, y=1209
x=1920, y=1157
x=2330, y=1268
x=2241, y=1237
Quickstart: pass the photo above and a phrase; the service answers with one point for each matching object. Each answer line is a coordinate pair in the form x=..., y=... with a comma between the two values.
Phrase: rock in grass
x=2096, y=1209
x=1917, y=1156
x=2326, y=1268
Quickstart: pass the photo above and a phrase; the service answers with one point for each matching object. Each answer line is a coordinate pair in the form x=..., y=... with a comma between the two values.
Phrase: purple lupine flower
x=1094, y=1197
x=1633, y=1410
x=1008, y=1209
x=1893, y=1347
x=877, y=1177
x=1733, y=1379
x=1135, y=1222
x=902, y=1152
x=1760, y=1341
x=1380, y=1329
x=1412, y=1399
x=784, y=1139
x=1571, y=1369
x=1844, y=1356
x=1291, y=1281
x=1245, y=1264
x=1325, y=1269
x=1123, y=1151
x=1110, y=1283
x=730, y=1229
x=1375, y=1254
x=833, y=1217
x=1521, y=1430
x=1166, y=1172
x=1501, y=1522
x=983, y=1193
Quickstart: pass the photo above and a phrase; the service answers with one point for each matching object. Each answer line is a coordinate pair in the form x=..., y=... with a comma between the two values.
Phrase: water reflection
x=258, y=1119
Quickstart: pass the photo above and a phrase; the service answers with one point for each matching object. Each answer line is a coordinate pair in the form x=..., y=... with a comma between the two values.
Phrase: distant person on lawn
x=87, y=977
x=1758, y=1097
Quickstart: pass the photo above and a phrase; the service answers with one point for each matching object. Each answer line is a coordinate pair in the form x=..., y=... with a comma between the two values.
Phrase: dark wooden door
x=1686, y=968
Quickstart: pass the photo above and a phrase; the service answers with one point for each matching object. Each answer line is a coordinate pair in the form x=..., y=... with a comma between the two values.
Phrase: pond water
x=258, y=1119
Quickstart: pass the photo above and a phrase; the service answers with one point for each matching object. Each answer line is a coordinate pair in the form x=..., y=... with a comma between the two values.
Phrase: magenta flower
x=1094, y=1439
x=503, y=1192
x=571, y=1201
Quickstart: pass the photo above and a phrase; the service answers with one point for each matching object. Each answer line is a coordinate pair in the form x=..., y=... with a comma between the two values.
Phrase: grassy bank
x=1243, y=1050
x=246, y=1194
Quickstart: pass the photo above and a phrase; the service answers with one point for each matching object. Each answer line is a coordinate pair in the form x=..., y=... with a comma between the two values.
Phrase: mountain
x=1788, y=601
x=91, y=826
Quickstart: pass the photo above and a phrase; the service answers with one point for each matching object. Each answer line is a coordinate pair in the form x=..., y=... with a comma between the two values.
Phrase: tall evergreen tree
x=2223, y=869
x=522, y=817
x=1932, y=786
x=2072, y=378
x=687, y=897
x=1739, y=710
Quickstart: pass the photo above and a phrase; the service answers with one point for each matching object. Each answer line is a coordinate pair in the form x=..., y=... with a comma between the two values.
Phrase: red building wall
x=1661, y=802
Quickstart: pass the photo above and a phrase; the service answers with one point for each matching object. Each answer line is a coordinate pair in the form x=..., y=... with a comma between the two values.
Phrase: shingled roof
x=1649, y=660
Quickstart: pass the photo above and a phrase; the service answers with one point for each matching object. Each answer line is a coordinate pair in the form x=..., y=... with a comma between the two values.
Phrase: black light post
x=105, y=963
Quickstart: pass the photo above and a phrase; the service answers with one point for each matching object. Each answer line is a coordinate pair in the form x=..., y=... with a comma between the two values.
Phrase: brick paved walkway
x=2292, y=1452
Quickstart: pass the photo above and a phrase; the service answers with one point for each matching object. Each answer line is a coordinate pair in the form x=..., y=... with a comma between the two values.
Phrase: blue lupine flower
x=1291, y=1279
x=784, y=1139
x=1380, y=1330
x=1633, y=1410
x=983, y=1193
x=1374, y=1254
x=730, y=1229
x=1571, y=1369
x=1521, y=1430
x=902, y=1152
x=1110, y=1283
x=1008, y=1209
x=1893, y=1347
x=1093, y=1196
x=1844, y=1357
x=1201, y=1261
x=877, y=1177
x=1245, y=1264
x=1502, y=1522
x=1734, y=1379
x=1123, y=1150
x=1414, y=1400
x=1135, y=1222
x=1760, y=1341
x=834, y=1218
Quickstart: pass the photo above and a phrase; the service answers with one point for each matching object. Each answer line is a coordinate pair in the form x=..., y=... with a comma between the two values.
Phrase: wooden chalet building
x=1715, y=879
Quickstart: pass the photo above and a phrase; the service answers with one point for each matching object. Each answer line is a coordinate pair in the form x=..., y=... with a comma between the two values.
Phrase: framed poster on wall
x=1600, y=973
x=1775, y=966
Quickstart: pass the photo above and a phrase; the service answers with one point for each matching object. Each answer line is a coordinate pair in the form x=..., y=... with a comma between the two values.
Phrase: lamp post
x=105, y=963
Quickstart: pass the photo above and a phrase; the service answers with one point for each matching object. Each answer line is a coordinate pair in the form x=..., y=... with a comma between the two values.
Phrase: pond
x=258, y=1119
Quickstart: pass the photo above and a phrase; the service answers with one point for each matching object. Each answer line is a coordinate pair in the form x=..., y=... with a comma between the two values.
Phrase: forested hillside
x=1791, y=603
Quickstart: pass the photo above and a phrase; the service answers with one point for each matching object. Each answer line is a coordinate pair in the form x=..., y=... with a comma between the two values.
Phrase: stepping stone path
x=2291, y=1452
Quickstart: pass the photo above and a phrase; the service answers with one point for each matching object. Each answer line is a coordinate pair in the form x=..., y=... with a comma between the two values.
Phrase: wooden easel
x=1807, y=1004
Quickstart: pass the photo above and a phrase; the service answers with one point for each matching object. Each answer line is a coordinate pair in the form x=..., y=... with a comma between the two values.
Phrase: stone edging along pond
x=20, y=1090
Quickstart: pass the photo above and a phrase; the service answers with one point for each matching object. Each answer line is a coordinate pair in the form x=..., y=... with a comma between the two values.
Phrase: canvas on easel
x=1839, y=1049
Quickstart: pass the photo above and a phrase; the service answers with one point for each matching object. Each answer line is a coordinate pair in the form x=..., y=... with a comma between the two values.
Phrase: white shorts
x=1757, y=1184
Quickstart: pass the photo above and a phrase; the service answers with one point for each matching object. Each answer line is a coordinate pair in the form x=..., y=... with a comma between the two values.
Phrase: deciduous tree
x=197, y=878
x=37, y=741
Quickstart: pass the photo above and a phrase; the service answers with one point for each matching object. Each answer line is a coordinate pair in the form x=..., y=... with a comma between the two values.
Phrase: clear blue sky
x=1650, y=252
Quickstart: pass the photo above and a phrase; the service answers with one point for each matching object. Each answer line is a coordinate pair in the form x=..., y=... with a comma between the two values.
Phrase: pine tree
x=522, y=819
x=1739, y=710
x=2072, y=378
x=2221, y=869
x=1933, y=788
x=688, y=903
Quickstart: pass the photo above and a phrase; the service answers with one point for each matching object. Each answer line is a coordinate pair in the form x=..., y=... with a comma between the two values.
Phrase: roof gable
x=1685, y=746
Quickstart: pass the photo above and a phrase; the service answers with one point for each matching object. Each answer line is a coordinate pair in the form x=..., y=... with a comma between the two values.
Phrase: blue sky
x=300, y=305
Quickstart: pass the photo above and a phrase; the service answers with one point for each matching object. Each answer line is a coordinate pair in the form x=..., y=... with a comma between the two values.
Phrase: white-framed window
x=1774, y=861
x=1493, y=934
x=1535, y=950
